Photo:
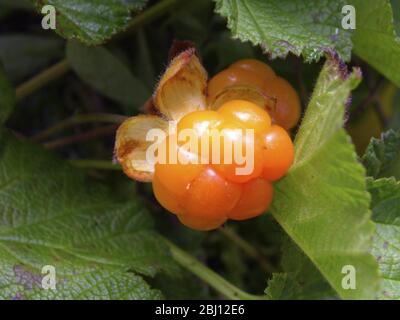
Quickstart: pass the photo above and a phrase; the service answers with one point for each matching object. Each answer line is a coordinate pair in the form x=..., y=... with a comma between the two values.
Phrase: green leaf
x=7, y=96
x=396, y=14
x=25, y=54
x=107, y=74
x=375, y=39
x=385, y=206
x=382, y=157
x=52, y=214
x=323, y=203
x=135, y=4
x=91, y=21
x=20, y=282
x=306, y=28
x=301, y=279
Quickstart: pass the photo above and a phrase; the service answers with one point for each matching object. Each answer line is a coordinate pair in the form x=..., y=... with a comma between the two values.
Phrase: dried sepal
x=149, y=108
x=179, y=46
x=182, y=87
x=247, y=93
x=131, y=145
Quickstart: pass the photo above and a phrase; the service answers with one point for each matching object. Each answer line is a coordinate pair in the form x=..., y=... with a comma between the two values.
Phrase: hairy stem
x=76, y=120
x=80, y=137
x=42, y=79
x=214, y=280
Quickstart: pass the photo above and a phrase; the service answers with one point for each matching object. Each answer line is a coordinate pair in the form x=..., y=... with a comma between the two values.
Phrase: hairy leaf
x=91, y=21
x=51, y=214
x=106, y=73
x=385, y=206
x=323, y=203
x=375, y=39
x=382, y=157
x=306, y=28
x=300, y=280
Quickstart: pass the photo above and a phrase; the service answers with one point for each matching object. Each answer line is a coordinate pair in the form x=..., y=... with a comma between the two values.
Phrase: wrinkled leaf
x=51, y=214
x=323, y=203
x=107, y=74
x=385, y=206
x=382, y=157
x=91, y=21
x=375, y=39
x=306, y=28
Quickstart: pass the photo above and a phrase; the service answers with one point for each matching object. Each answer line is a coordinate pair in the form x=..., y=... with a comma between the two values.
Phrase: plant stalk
x=214, y=280
x=42, y=79
x=80, y=137
x=95, y=164
x=76, y=120
x=247, y=248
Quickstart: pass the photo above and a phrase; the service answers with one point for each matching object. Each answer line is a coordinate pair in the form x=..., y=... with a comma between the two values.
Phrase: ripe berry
x=200, y=223
x=255, y=199
x=278, y=153
x=238, y=151
x=177, y=174
x=230, y=77
x=165, y=197
x=200, y=125
x=204, y=195
x=263, y=70
x=286, y=112
x=218, y=161
x=250, y=72
x=210, y=196
x=247, y=113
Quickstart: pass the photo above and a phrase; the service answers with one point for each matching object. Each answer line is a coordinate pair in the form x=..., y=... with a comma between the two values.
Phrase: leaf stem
x=77, y=138
x=248, y=248
x=148, y=15
x=42, y=79
x=95, y=164
x=214, y=280
x=76, y=120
